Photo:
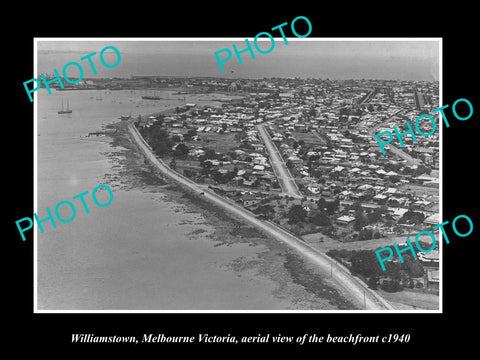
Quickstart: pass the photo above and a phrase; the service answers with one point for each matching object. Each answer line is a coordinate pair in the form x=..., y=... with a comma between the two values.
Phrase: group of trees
x=190, y=173
x=364, y=263
x=297, y=215
x=362, y=220
x=181, y=150
x=412, y=217
x=266, y=210
x=330, y=207
x=160, y=140
x=190, y=134
x=367, y=234
x=320, y=218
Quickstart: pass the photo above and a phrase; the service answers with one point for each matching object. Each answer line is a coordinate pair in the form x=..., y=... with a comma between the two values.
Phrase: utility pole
x=364, y=302
x=331, y=270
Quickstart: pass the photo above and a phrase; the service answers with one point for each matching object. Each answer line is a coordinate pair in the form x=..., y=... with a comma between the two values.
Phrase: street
x=287, y=182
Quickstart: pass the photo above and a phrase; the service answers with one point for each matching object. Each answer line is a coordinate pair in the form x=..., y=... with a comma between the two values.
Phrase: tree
x=365, y=234
x=412, y=217
x=415, y=268
x=156, y=132
x=422, y=169
x=374, y=216
x=296, y=214
x=331, y=207
x=266, y=210
x=189, y=173
x=176, y=138
x=160, y=147
x=210, y=154
x=321, y=203
x=360, y=220
x=394, y=178
x=320, y=218
x=392, y=269
x=181, y=150
x=391, y=286
x=328, y=230
x=365, y=262
x=372, y=282
x=218, y=177
x=191, y=133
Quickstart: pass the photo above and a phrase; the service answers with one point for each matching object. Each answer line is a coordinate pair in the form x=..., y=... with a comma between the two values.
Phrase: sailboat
x=68, y=111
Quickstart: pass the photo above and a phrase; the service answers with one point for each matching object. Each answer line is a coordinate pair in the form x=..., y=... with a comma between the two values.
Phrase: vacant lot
x=412, y=300
x=420, y=190
x=187, y=164
x=310, y=138
x=325, y=243
x=221, y=143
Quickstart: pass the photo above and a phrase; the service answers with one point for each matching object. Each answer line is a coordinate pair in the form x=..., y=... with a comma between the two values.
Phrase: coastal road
x=364, y=297
x=287, y=182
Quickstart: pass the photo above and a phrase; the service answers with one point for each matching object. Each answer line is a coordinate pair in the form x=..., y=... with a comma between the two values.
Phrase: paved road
x=373, y=130
x=400, y=153
x=287, y=182
x=353, y=286
x=410, y=160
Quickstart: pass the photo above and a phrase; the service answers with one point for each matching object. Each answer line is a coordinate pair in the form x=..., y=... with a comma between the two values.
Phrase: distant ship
x=68, y=111
x=150, y=97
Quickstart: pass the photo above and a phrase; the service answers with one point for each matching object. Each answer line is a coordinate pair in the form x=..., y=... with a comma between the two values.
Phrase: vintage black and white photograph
x=214, y=175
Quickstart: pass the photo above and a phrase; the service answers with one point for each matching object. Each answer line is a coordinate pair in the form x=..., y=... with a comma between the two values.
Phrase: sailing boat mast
x=68, y=111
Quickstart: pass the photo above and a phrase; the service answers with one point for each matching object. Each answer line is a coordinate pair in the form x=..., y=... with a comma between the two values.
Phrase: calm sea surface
x=140, y=252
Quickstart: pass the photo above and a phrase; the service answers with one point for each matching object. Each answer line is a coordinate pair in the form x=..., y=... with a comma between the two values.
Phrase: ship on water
x=152, y=97
x=67, y=111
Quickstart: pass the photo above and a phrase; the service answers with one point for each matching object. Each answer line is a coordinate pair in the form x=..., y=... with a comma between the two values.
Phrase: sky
x=411, y=59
